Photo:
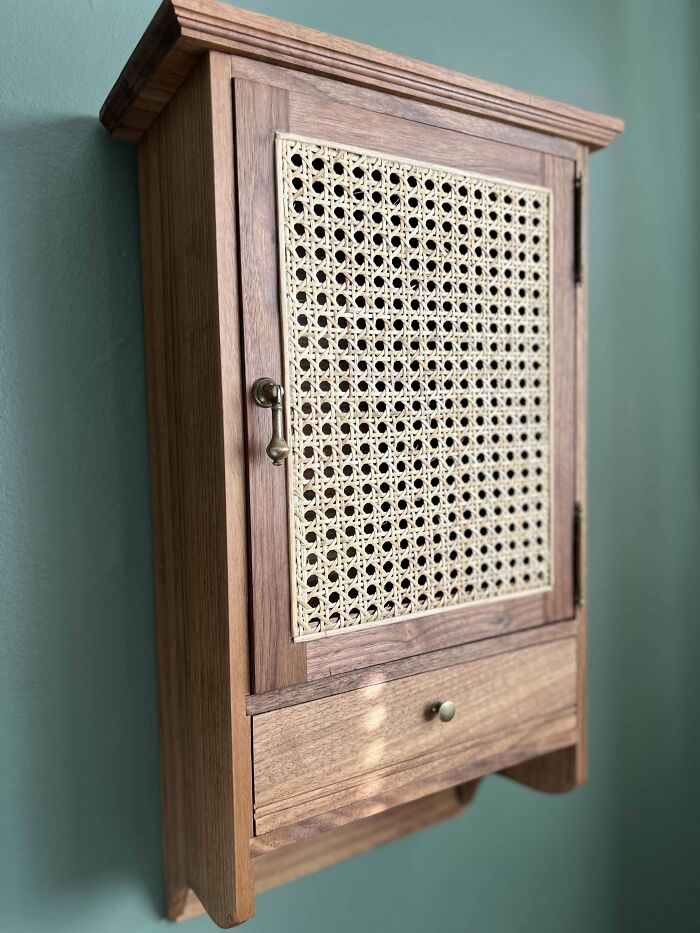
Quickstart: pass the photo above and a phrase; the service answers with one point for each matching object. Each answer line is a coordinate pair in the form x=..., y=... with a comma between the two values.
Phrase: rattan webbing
x=416, y=318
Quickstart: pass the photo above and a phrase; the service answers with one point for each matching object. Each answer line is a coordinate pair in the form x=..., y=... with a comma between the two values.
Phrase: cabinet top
x=183, y=30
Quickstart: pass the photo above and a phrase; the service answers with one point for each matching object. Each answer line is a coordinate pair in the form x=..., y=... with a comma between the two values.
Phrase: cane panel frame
x=415, y=310
x=279, y=660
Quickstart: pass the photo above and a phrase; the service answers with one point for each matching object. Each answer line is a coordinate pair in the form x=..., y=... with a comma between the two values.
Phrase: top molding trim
x=183, y=30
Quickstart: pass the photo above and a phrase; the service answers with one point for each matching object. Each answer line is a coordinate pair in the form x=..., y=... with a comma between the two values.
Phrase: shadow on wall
x=82, y=752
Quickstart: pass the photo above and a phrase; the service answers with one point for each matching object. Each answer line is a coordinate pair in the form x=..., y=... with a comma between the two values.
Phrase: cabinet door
x=407, y=278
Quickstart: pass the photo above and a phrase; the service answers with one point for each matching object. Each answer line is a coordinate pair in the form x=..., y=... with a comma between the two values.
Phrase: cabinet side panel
x=187, y=219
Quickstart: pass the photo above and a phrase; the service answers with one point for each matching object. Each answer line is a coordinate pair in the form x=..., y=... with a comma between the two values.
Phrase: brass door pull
x=268, y=394
x=445, y=710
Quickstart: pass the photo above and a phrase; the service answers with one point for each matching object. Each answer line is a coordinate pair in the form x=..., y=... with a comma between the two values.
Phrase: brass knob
x=268, y=394
x=445, y=710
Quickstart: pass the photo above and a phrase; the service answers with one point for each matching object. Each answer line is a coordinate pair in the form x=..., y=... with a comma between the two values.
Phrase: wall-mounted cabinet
x=364, y=284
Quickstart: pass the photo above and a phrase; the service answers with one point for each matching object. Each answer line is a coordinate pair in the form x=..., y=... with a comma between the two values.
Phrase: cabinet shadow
x=78, y=603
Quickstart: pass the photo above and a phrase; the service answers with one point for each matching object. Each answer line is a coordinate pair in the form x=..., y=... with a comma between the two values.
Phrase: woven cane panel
x=416, y=316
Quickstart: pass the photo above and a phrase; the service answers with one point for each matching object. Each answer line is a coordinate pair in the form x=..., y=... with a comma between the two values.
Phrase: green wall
x=79, y=793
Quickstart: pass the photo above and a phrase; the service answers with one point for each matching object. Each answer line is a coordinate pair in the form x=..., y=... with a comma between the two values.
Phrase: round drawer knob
x=445, y=710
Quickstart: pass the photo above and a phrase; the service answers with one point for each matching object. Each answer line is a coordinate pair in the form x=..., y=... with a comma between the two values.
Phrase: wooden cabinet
x=364, y=289
x=383, y=739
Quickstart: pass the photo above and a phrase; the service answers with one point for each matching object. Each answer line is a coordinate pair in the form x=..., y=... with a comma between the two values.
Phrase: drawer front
x=329, y=753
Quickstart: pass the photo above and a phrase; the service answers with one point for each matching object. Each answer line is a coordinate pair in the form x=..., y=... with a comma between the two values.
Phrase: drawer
x=381, y=739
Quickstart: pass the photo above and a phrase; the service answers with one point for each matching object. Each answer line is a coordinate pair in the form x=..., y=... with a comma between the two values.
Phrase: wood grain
x=566, y=768
x=345, y=756
x=353, y=650
x=552, y=773
x=320, y=117
x=325, y=754
x=279, y=865
x=362, y=810
x=337, y=93
x=277, y=661
x=581, y=757
x=260, y=110
x=405, y=667
x=559, y=177
x=183, y=29
x=274, y=865
x=188, y=245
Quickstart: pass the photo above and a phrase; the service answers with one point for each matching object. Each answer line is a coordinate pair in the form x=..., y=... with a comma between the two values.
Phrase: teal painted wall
x=79, y=793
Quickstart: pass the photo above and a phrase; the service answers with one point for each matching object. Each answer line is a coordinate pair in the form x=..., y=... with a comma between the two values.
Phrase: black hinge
x=578, y=232
x=578, y=554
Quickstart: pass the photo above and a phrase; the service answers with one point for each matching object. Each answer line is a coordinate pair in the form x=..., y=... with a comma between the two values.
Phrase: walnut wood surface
x=522, y=695
x=553, y=773
x=351, y=651
x=416, y=664
x=260, y=110
x=559, y=176
x=322, y=755
x=320, y=116
x=188, y=248
x=567, y=768
x=184, y=29
x=279, y=865
x=581, y=753
x=314, y=849
x=431, y=781
x=337, y=93
x=324, y=823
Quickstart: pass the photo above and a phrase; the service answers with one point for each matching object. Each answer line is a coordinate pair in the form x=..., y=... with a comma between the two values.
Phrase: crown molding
x=183, y=30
